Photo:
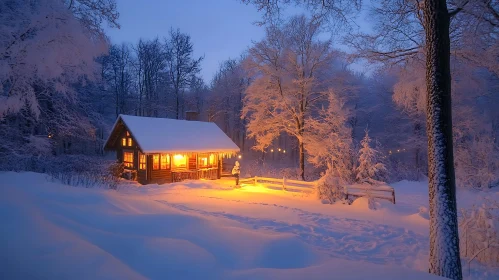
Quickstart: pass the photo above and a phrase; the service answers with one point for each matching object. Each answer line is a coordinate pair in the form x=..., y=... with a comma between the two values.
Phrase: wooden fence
x=381, y=192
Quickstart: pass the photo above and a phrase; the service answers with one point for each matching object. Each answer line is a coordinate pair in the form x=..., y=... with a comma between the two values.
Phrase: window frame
x=142, y=161
x=155, y=165
x=185, y=165
x=126, y=163
x=164, y=165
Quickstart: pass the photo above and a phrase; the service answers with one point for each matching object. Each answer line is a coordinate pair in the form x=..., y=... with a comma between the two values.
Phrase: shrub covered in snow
x=75, y=170
x=329, y=188
x=479, y=233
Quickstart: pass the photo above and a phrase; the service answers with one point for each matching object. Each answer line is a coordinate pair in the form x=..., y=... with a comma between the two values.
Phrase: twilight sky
x=219, y=29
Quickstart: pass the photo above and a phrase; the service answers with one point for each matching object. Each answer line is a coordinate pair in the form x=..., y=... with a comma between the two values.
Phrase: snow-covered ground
x=208, y=230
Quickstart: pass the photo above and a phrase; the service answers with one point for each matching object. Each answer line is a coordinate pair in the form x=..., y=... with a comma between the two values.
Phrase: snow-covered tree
x=288, y=67
x=329, y=141
x=371, y=168
x=48, y=52
x=51, y=42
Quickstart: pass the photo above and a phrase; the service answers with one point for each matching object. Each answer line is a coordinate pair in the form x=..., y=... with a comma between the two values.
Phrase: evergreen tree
x=371, y=169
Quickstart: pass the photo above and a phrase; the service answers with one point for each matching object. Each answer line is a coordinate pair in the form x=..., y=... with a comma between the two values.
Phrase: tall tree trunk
x=302, y=160
x=444, y=238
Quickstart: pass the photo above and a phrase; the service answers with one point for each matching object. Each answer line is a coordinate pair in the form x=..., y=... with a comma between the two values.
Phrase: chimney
x=191, y=115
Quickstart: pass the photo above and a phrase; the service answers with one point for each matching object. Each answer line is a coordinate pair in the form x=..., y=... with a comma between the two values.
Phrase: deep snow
x=207, y=230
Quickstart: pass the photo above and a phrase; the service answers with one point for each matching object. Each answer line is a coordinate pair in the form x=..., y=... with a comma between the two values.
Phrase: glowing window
x=180, y=161
x=213, y=159
x=123, y=142
x=142, y=162
x=128, y=159
x=165, y=161
x=203, y=161
x=129, y=142
x=155, y=162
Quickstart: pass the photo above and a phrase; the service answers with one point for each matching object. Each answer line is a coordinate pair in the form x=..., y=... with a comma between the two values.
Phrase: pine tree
x=371, y=169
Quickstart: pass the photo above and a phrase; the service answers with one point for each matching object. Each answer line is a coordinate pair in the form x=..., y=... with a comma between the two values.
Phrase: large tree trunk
x=302, y=160
x=444, y=238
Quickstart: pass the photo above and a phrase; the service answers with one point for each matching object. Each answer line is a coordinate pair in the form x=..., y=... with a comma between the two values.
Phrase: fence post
x=284, y=183
x=393, y=195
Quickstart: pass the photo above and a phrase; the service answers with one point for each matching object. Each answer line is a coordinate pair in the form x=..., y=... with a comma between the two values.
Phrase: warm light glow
x=165, y=161
x=213, y=159
x=128, y=159
x=123, y=142
x=155, y=162
x=272, y=150
x=239, y=156
x=179, y=161
x=284, y=151
x=398, y=151
x=130, y=142
x=279, y=149
x=142, y=162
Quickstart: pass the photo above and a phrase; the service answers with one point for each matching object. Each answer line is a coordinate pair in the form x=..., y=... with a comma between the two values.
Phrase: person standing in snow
x=235, y=171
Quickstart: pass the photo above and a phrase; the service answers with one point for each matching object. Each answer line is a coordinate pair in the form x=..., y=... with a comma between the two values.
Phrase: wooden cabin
x=160, y=150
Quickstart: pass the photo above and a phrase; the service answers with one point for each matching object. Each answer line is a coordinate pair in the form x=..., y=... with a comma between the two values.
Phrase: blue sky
x=219, y=29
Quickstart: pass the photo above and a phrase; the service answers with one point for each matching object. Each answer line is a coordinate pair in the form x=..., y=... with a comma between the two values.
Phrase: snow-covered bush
x=329, y=188
x=371, y=169
x=479, y=233
x=84, y=171
x=477, y=163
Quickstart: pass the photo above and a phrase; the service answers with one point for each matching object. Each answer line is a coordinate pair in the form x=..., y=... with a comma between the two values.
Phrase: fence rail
x=381, y=192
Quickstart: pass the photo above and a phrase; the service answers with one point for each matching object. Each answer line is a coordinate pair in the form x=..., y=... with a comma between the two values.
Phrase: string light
x=284, y=151
x=272, y=150
x=279, y=149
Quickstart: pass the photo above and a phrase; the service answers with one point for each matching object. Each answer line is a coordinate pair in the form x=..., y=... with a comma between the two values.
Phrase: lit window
x=165, y=161
x=129, y=142
x=180, y=161
x=142, y=162
x=123, y=142
x=155, y=162
x=203, y=161
x=213, y=159
x=128, y=159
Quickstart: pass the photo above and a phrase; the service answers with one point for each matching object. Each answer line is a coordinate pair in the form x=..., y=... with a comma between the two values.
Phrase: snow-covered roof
x=161, y=135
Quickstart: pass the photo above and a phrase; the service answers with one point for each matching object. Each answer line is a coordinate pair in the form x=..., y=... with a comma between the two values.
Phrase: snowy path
x=339, y=237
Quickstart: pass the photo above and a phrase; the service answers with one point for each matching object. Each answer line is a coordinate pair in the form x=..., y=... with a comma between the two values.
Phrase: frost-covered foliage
x=371, y=169
x=75, y=170
x=329, y=142
x=46, y=42
x=479, y=233
x=48, y=52
x=330, y=188
x=477, y=163
x=291, y=70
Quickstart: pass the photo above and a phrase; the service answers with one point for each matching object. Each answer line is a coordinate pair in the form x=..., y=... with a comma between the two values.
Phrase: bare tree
x=181, y=65
x=150, y=64
x=117, y=67
x=228, y=86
